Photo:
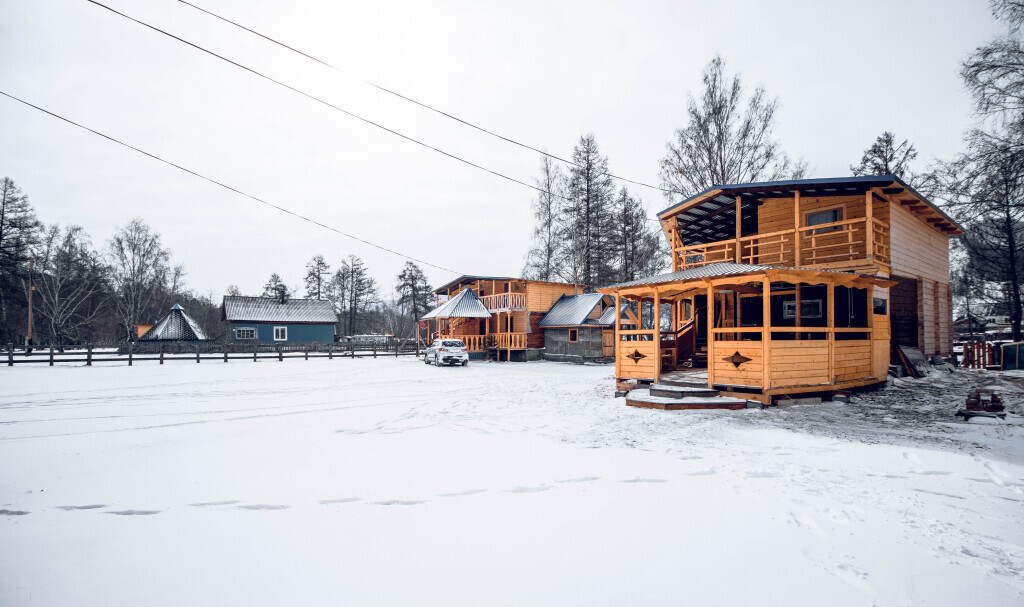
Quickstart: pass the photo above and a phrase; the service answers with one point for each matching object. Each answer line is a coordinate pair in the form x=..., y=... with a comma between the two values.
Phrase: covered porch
x=760, y=330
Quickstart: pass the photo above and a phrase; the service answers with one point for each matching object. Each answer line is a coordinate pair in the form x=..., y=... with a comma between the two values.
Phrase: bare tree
x=543, y=253
x=70, y=279
x=138, y=266
x=886, y=157
x=359, y=293
x=993, y=71
x=727, y=140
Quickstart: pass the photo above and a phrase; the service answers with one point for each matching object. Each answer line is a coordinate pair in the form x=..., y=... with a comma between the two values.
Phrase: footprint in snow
x=708, y=472
x=644, y=480
x=686, y=457
x=86, y=507
x=581, y=479
x=461, y=493
x=220, y=503
x=263, y=507
x=959, y=497
x=536, y=489
x=339, y=500
x=931, y=472
x=134, y=512
x=398, y=502
x=5, y=512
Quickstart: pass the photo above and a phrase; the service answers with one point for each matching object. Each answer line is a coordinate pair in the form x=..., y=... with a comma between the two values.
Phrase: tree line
x=81, y=293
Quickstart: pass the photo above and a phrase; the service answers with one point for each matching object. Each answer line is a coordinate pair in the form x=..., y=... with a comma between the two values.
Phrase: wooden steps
x=676, y=391
x=645, y=399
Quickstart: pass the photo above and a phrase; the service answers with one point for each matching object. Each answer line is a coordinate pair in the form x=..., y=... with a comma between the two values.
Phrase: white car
x=446, y=352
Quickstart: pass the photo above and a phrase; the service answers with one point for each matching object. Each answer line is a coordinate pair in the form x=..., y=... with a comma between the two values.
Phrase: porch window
x=574, y=335
x=808, y=309
x=823, y=217
x=280, y=333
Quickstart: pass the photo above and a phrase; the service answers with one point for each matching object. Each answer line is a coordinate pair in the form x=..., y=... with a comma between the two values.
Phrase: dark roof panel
x=571, y=309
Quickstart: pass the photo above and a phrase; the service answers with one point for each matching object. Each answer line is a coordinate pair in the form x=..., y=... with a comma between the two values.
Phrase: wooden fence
x=130, y=353
x=980, y=355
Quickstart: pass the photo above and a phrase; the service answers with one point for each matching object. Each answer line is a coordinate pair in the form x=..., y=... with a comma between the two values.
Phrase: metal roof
x=572, y=310
x=464, y=305
x=608, y=318
x=175, y=326
x=238, y=308
x=470, y=278
x=696, y=225
x=715, y=270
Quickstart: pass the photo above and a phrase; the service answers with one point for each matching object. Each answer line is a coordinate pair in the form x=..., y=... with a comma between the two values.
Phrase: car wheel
x=437, y=361
x=465, y=362
x=426, y=359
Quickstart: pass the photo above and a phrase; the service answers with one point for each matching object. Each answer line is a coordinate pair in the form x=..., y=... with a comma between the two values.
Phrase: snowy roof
x=464, y=305
x=175, y=326
x=238, y=308
x=714, y=270
x=572, y=310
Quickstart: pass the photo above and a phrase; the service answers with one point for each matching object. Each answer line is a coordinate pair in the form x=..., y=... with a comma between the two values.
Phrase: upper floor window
x=823, y=217
x=280, y=333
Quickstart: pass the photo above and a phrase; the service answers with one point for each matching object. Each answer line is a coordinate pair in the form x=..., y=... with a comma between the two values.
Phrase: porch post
x=710, y=322
x=869, y=234
x=766, y=334
x=618, y=327
x=739, y=230
x=796, y=227
x=830, y=303
x=657, y=336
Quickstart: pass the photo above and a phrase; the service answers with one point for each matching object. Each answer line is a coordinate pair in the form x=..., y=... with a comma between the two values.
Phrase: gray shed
x=579, y=328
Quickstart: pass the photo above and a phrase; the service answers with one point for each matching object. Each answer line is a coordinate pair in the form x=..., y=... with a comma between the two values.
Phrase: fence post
x=197, y=354
x=130, y=344
x=375, y=350
x=351, y=350
x=88, y=356
x=225, y=353
x=280, y=356
x=10, y=355
x=330, y=351
x=161, y=354
x=255, y=348
x=306, y=348
x=51, y=355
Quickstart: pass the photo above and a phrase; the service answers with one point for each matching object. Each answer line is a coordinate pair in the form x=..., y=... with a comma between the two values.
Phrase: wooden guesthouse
x=793, y=287
x=504, y=321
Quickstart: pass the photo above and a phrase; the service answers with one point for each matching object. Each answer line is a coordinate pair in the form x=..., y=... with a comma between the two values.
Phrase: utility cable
x=414, y=101
x=326, y=103
x=227, y=187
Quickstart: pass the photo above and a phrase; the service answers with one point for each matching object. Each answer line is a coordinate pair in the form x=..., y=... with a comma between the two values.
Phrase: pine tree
x=19, y=233
x=274, y=286
x=639, y=249
x=585, y=218
x=885, y=157
x=317, y=278
x=413, y=290
x=360, y=293
x=543, y=253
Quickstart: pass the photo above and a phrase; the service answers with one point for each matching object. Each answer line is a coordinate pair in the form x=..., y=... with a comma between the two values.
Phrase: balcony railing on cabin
x=503, y=341
x=504, y=301
x=820, y=244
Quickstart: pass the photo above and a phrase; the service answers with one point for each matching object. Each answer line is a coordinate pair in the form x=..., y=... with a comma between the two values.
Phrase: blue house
x=278, y=320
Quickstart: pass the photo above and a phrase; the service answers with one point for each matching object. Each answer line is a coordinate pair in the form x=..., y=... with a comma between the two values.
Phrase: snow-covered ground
x=388, y=482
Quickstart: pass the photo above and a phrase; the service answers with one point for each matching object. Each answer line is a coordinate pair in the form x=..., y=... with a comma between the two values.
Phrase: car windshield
x=452, y=343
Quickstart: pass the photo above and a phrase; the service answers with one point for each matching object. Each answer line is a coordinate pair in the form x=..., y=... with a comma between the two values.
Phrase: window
x=823, y=217
x=280, y=333
x=809, y=308
x=879, y=304
x=574, y=335
x=245, y=333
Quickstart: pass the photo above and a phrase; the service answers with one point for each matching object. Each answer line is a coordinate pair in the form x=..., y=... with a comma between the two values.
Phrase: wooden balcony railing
x=826, y=243
x=507, y=341
x=505, y=301
x=474, y=343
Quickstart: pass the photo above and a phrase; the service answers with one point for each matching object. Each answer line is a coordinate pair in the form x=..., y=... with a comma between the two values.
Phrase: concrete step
x=644, y=399
x=683, y=383
x=666, y=390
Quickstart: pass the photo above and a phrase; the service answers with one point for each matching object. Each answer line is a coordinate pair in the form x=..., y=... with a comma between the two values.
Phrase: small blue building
x=278, y=320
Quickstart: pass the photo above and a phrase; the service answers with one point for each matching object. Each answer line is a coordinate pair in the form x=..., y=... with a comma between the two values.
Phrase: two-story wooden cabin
x=510, y=328
x=793, y=286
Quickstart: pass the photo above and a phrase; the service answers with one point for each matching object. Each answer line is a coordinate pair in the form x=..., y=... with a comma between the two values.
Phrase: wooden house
x=582, y=328
x=278, y=320
x=790, y=287
x=511, y=330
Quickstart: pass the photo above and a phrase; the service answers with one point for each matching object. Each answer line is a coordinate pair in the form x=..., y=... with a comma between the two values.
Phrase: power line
x=419, y=103
x=227, y=187
x=328, y=103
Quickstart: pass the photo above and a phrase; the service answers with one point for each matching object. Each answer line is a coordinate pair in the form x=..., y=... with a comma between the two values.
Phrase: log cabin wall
x=540, y=296
x=920, y=253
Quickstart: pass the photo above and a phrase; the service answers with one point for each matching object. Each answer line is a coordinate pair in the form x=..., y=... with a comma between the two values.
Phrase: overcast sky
x=541, y=72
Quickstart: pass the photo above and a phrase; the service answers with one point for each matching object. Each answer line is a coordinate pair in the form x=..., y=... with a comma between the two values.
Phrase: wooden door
x=608, y=343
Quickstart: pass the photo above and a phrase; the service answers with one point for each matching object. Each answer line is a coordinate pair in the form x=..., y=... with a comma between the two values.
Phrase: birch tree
x=138, y=263
x=542, y=257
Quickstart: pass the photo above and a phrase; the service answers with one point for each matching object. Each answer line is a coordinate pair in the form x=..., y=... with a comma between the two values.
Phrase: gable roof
x=464, y=305
x=572, y=310
x=608, y=318
x=176, y=325
x=238, y=308
x=469, y=278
